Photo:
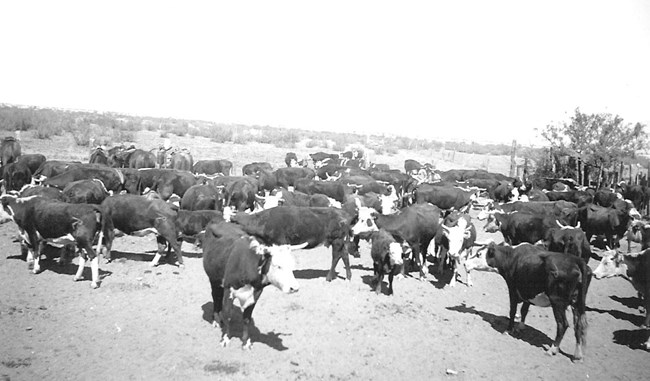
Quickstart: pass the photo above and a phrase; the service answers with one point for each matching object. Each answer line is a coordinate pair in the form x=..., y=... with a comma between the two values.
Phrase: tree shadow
x=634, y=319
x=271, y=338
x=309, y=274
x=529, y=334
x=632, y=338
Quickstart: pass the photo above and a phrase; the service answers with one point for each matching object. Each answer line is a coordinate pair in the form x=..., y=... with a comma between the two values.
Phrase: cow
x=15, y=176
x=238, y=268
x=240, y=193
x=639, y=232
x=140, y=158
x=51, y=168
x=32, y=160
x=638, y=194
x=316, y=226
x=170, y=182
x=446, y=198
x=213, y=167
x=190, y=224
x=85, y=192
x=457, y=239
x=543, y=278
x=203, y=197
x=337, y=190
x=112, y=178
x=322, y=158
x=252, y=169
x=98, y=156
x=415, y=226
x=9, y=150
x=39, y=190
x=43, y=220
x=286, y=177
x=606, y=197
x=612, y=222
x=563, y=210
x=136, y=215
x=411, y=167
x=386, y=254
x=518, y=227
x=568, y=240
x=181, y=160
x=634, y=267
x=579, y=197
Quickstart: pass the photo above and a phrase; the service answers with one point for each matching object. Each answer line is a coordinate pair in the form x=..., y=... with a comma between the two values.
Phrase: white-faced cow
x=239, y=268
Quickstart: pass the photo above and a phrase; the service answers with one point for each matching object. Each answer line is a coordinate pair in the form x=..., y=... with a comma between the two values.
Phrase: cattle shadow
x=620, y=315
x=529, y=334
x=629, y=302
x=632, y=338
x=271, y=338
x=441, y=280
x=310, y=274
x=361, y=267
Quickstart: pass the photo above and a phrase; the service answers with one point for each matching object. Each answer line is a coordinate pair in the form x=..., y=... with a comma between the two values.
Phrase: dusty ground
x=153, y=324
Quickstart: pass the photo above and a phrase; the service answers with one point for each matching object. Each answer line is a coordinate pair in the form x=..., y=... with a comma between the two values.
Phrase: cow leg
x=338, y=248
x=37, y=257
x=559, y=311
x=379, y=279
x=109, y=236
x=456, y=264
x=167, y=230
x=80, y=269
x=224, y=318
x=646, y=303
x=524, y=312
x=513, y=309
x=580, y=329
x=390, y=283
x=353, y=247
x=162, y=245
x=417, y=252
x=217, y=302
x=248, y=321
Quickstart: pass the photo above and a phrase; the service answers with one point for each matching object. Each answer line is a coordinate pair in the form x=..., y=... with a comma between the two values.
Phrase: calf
x=42, y=220
x=633, y=267
x=85, y=191
x=544, y=278
x=386, y=256
x=568, y=240
x=239, y=268
x=15, y=176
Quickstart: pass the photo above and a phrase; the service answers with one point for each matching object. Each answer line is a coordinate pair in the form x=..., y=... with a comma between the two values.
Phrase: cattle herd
x=248, y=224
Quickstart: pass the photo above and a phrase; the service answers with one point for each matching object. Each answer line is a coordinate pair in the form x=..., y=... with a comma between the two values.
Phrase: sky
x=483, y=71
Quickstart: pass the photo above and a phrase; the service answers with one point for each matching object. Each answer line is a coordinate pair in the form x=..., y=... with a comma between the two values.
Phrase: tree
x=598, y=140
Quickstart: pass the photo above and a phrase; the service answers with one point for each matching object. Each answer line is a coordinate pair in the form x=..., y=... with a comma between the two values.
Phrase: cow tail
x=99, y=218
x=579, y=315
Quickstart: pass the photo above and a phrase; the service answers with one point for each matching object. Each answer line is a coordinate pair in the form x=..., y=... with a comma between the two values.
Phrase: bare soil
x=154, y=323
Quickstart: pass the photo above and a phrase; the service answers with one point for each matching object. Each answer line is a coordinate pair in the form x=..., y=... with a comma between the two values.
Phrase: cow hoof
x=552, y=351
x=399, y=276
x=180, y=265
x=215, y=324
x=94, y=285
x=248, y=345
x=224, y=342
x=77, y=278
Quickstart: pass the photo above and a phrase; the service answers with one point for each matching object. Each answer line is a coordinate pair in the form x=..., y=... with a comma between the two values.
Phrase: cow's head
x=477, y=260
x=456, y=235
x=365, y=221
x=612, y=264
x=493, y=222
x=389, y=202
x=277, y=265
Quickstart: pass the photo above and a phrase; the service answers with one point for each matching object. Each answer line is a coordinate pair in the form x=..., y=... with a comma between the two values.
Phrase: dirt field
x=153, y=324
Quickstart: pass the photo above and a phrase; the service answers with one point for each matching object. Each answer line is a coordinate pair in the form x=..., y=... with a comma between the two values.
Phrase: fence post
x=513, y=152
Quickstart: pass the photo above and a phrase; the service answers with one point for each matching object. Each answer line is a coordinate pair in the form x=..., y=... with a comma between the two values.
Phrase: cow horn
x=484, y=243
x=299, y=247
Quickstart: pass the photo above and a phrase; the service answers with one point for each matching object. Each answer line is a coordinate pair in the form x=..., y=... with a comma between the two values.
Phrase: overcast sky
x=485, y=71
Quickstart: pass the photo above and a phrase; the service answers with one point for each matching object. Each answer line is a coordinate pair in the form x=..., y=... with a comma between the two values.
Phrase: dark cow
x=45, y=192
x=568, y=240
x=112, y=178
x=132, y=180
x=182, y=160
x=565, y=211
x=611, y=222
x=286, y=177
x=203, y=197
x=32, y=160
x=170, y=182
x=213, y=167
x=252, y=169
x=51, y=168
x=140, y=158
x=335, y=189
x=578, y=197
x=238, y=267
x=634, y=267
x=386, y=254
x=415, y=225
x=322, y=158
x=190, y=224
x=296, y=198
x=85, y=192
x=518, y=227
x=98, y=156
x=446, y=198
x=412, y=167
x=240, y=193
x=291, y=159
x=638, y=194
x=9, y=150
x=605, y=197
x=43, y=220
x=136, y=215
x=544, y=278
x=15, y=176
x=297, y=225
x=503, y=191
x=639, y=232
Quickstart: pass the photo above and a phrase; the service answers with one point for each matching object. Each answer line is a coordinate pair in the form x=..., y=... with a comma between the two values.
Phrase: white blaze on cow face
x=478, y=262
x=280, y=272
x=395, y=253
x=611, y=265
x=366, y=221
x=456, y=236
